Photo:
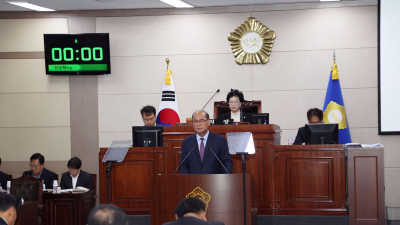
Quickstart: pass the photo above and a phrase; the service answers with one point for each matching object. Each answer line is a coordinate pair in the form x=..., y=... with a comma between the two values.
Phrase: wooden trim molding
x=22, y=55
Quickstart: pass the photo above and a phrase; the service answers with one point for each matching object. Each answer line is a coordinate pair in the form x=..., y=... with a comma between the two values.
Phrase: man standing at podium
x=206, y=152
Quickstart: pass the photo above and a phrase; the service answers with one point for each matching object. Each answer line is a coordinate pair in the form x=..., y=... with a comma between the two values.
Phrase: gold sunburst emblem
x=335, y=113
x=200, y=194
x=251, y=42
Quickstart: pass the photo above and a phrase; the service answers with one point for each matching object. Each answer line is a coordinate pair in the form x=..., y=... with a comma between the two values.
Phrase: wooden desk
x=27, y=214
x=68, y=208
x=130, y=179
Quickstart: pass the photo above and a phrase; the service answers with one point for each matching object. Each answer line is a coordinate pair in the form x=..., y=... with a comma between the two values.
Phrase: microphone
x=185, y=158
x=241, y=113
x=218, y=159
x=210, y=99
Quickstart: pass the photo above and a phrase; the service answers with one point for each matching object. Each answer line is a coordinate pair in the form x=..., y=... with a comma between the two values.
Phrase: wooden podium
x=222, y=192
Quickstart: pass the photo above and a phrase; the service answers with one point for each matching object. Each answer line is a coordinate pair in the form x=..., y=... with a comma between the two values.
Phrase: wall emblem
x=335, y=113
x=200, y=194
x=251, y=42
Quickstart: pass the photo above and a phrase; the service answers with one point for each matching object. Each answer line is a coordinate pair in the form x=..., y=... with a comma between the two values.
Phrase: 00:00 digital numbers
x=97, y=53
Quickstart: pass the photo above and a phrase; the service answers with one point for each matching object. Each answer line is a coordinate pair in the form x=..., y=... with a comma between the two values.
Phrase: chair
x=30, y=189
x=247, y=107
x=94, y=183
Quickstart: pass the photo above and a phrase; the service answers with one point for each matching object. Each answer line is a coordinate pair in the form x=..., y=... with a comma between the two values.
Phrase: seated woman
x=234, y=106
x=314, y=115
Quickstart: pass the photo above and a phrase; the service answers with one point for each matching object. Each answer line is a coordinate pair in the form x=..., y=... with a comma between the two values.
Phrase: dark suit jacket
x=246, y=116
x=210, y=164
x=46, y=175
x=3, y=180
x=192, y=221
x=301, y=136
x=84, y=180
x=2, y=221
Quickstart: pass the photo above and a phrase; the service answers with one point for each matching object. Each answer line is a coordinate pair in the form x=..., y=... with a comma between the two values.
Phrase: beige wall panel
x=26, y=35
x=170, y=35
x=34, y=110
x=20, y=143
x=191, y=73
x=106, y=138
x=392, y=190
x=16, y=168
x=329, y=28
x=29, y=75
x=310, y=70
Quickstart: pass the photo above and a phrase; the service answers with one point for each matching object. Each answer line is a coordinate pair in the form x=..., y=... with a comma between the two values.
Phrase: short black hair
x=238, y=93
x=190, y=205
x=7, y=201
x=106, y=215
x=0, y=161
x=74, y=163
x=315, y=112
x=38, y=156
x=148, y=110
x=207, y=116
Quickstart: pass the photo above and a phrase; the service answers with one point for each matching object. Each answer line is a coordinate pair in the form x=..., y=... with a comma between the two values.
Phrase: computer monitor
x=259, y=118
x=144, y=136
x=322, y=134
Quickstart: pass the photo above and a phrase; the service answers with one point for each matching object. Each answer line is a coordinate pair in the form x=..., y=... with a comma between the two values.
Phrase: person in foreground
x=3, y=178
x=76, y=177
x=191, y=211
x=38, y=170
x=149, y=116
x=202, y=159
x=234, y=106
x=8, y=209
x=107, y=215
x=314, y=116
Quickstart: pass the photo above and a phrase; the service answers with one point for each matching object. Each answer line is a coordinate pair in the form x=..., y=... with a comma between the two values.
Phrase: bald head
x=107, y=215
x=201, y=112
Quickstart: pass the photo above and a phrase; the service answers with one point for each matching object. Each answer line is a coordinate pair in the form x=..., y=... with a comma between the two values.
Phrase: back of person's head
x=107, y=215
x=148, y=110
x=74, y=163
x=190, y=205
x=315, y=112
x=6, y=202
x=238, y=93
x=38, y=156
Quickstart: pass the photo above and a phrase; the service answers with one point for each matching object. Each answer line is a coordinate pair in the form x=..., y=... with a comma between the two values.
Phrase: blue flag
x=334, y=110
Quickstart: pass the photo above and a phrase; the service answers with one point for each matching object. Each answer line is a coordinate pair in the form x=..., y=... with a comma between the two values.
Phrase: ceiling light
x=104, y=0
x=30, y=6
x=329, y=0
x=177, y=3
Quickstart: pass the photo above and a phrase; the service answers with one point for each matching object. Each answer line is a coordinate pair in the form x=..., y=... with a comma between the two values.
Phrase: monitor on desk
x=259, y=118
x=143, y=136
x=322, y=134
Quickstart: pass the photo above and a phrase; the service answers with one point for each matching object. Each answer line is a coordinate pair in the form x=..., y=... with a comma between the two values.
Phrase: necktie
x=201, y=149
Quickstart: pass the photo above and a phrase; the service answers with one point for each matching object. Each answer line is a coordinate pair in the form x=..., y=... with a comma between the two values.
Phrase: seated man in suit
x=314, y=116
x=201, y=146
x=191, y=211
x=149, y=116
x=3, y=178
x=75, y=177
x=107, y=214
x=234, y=106
x=8, y=209
x=38, y=170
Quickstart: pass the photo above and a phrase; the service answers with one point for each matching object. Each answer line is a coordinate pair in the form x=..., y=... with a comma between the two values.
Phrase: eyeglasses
x=312, y=122
x=199, y=121
x=233, y=103
x=150, y=119
x=34, y=167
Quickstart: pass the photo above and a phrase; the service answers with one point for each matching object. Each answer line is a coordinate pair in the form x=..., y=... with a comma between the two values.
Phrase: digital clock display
x=77, y=54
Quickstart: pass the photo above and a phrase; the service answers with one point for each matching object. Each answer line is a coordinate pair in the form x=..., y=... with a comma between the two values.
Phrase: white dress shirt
x=204, y=141
x=74, y=180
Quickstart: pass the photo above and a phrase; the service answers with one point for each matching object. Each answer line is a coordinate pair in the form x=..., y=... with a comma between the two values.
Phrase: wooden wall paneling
x=309, y=180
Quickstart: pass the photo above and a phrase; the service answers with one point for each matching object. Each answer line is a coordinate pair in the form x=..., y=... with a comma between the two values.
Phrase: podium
x=222, y=192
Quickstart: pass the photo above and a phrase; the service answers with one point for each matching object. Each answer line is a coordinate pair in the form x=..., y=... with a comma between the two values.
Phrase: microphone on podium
x=210, y=99
x=241, y=113
x=218, y=159
x=185, y=158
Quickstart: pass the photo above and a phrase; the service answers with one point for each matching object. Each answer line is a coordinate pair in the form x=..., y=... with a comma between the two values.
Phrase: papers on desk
x=76, y=190
x=359, y=145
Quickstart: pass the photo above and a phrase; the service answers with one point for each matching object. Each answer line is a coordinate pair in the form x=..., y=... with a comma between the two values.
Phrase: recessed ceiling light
x=30, y=6
x=177, y=3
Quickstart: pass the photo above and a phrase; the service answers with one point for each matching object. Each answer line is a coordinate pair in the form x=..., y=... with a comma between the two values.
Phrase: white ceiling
x=136, y=4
